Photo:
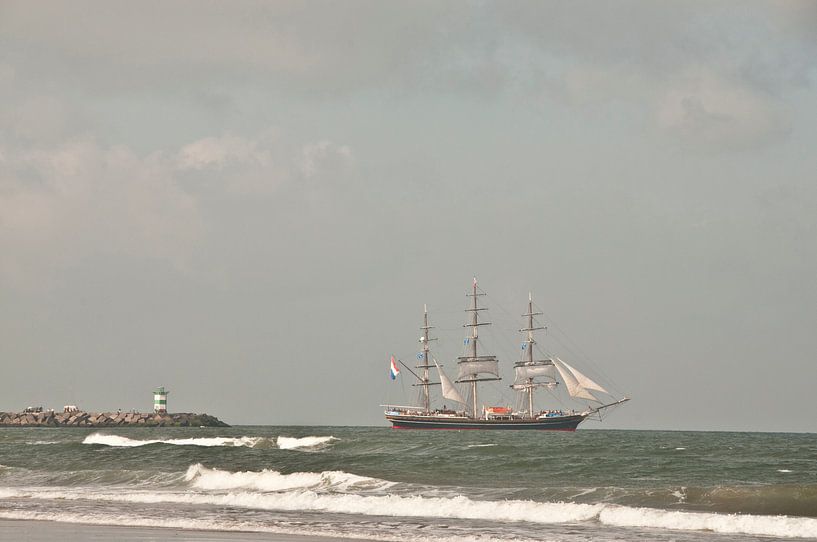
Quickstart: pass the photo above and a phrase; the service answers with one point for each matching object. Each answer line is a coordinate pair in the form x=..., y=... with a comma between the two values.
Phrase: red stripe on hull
x=475, y=429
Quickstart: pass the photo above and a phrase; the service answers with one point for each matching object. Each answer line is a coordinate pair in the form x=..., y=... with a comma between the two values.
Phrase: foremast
x=528, y=368
x=472, y=364
x=426, y=365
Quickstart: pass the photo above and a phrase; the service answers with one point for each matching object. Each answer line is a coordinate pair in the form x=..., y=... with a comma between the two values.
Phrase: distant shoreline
x=51, y=418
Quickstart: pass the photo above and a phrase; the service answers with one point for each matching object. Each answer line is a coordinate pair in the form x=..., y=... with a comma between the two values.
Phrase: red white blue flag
x=393, y=370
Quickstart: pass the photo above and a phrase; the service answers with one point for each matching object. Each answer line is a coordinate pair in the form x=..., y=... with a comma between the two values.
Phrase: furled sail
x=524, y=372
x=449, y=390
x=583, y=381
x=478, y=366
x=571, y=382
x=525, y=387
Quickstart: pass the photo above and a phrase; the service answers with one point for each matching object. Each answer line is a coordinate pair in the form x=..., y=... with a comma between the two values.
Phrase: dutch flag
x=393, y=370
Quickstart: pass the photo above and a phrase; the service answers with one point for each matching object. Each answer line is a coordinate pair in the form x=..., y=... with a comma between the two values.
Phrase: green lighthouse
x=160, y=399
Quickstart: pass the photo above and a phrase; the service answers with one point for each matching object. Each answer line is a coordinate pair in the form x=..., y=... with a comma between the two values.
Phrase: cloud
x=260, y=165
x=578, y=55
x=708, y=110
x=318, y=48
x=324, y=155
x=219, y=152
x=63, y=204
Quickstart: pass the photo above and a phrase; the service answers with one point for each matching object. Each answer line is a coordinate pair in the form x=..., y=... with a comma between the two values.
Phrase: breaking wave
x=291, y=443
x=415, y=506
x=125, y=442
x=8, y=493
x=326, y=492
x=284, y=443
x=204, y=478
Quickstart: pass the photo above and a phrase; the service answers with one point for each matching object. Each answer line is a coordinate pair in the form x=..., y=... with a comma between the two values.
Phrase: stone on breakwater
x=108, y=419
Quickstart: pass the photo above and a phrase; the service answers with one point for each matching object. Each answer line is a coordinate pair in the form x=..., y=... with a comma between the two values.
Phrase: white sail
x=525, y=372
x=573, y=387
x=479, y=366
x=449, y=390
x=583, y=381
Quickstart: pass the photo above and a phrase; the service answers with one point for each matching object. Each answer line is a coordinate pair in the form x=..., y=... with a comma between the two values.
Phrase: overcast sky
x=249, y=203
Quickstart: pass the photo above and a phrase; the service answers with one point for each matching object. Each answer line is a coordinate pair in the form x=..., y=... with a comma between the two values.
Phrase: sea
x=400, y=485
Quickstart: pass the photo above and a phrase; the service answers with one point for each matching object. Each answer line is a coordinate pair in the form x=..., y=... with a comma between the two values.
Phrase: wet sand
x=51, y=531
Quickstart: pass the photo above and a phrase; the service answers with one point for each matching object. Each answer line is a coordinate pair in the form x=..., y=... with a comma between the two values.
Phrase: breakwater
x=108, y=419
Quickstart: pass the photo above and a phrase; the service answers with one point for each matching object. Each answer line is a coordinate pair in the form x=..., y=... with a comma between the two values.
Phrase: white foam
x=243, y=526
x=119, y=441
x=461, y=507
x=780, y=526
x=783, y=470
x=368, y=505
x=680, y=448
x=6, y=493
x=479, y=445
x=291, y=443
x=680, y=494
x=324, y=492
x=270, y=480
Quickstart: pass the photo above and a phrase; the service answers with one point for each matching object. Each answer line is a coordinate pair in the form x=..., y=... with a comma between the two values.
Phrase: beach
x=49, y=531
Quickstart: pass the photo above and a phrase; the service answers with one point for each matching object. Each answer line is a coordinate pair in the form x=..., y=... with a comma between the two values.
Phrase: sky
x=250, y=202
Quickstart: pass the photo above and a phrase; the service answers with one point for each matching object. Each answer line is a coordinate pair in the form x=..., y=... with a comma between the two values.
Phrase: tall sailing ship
x=531, y=374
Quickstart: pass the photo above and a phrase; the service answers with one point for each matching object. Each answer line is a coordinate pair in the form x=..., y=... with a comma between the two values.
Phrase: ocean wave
x=416, y=506
x=284, y=443
x=459, y=507
x=291, y=443
x=148, y=478
x=125, y=442
x=8, y=493
x=779, y=526
x=775, y=499
x=480, y=445
x=204, y=478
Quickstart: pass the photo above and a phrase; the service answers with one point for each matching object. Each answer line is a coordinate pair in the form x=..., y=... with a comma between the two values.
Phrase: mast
x=472, y=364
x=424, y=339
x=474, y=339
x=525, y=367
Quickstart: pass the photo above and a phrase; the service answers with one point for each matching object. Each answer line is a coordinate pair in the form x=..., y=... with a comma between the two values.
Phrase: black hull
x=561, y=423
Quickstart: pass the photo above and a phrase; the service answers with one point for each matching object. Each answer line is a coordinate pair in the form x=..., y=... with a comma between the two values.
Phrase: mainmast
x=528, y=368
x=424, y=339
x=472, y=364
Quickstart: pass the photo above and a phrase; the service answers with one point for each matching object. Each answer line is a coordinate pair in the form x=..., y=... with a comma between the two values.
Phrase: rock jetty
x=108, y=419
